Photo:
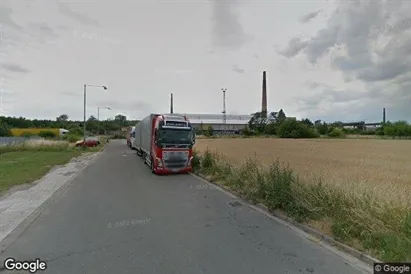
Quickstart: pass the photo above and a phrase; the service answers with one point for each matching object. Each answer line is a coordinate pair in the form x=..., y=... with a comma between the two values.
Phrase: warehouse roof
x=217, y=118
x=209, y=121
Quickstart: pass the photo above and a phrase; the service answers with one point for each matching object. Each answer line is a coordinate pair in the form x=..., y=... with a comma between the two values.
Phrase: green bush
x=352, y=131
x=397, y=129
x=76, y=131
x=209, y=131
x=271, y=129
x=322, y=128
x=195, y=162
x=295, y=129
x=336, y=133
x=47, y=134
x=207, y=160
x=4, y=129
x=380, y=131
x=247, y=132
x=72, y=138
x=28, y=134
x=369, y=132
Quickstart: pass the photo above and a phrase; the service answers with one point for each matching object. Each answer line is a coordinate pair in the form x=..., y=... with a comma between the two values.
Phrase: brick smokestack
x=383, y=116
x=264, y=98
x=171, y=104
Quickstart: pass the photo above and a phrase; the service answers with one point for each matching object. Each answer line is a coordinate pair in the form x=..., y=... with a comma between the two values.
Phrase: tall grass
x=40, y=145
x=383, y=228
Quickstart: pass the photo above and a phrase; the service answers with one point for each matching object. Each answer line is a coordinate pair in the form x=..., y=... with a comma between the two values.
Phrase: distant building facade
x=234, y=123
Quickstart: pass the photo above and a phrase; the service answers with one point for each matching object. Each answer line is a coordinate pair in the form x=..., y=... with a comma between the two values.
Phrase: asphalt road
x=117, y=217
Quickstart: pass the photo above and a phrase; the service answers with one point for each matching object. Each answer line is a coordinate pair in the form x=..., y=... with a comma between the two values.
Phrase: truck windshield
x=176, y=136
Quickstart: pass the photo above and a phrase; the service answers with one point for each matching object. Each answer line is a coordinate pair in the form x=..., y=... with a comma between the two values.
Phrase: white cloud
x=338, y=61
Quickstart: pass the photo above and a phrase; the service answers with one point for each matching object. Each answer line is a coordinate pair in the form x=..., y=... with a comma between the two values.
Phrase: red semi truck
x=165, y=142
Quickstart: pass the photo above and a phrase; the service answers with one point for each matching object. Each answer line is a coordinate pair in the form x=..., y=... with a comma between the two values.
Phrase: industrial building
x=224, y=123
x=233, y=124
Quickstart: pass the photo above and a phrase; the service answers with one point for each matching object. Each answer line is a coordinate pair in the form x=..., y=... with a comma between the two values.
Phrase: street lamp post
x=98, y=120
x=84, y=120
x=224, y=112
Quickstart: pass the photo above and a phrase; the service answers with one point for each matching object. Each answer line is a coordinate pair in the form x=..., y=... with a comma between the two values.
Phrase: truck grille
x=175, y=159
x=175, y=146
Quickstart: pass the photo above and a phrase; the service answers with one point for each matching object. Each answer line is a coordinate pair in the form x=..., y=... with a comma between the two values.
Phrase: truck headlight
x=159, y=162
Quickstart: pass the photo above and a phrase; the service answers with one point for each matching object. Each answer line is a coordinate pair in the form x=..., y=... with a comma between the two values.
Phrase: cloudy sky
x=341, y=60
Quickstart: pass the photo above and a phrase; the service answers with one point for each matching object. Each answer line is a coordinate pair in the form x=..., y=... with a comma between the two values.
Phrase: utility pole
x=171, y=104
x=264, y=97
x=85, y=105
x=84, y=119
x=224, y=110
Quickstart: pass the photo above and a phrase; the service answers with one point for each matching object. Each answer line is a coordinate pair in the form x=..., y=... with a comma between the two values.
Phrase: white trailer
x=143, y=134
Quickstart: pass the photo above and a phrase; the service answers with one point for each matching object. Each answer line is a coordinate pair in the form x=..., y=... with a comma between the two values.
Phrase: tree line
x=277, y=123
x=63, y=121
x=274, y=123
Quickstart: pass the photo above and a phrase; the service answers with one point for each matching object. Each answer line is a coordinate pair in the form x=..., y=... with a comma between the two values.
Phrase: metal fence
x=4, y=141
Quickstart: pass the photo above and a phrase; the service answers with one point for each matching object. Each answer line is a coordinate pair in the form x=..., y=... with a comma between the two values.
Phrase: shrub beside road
x=373, y=217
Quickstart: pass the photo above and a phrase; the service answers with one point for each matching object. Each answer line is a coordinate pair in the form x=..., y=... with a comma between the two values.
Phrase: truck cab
x=132, y=137
x=170, y=143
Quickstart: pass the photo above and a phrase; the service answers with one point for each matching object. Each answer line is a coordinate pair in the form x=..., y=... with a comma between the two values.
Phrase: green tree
x=62, y=118
x=337, y=124
x=336, y=132
x=4, y=129
x=257, y=122
x=209, y=131
x=247, y=132
x=271, y=129
x=92, y=124
x=291, y=128
x=281, y=116
x=62, y=121
x=322, y=128
x=397, y=129
x=120, y=120
x=75, y=130
x=307, y=122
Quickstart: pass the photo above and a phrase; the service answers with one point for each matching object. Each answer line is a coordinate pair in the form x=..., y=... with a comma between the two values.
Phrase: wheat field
x=382, y=167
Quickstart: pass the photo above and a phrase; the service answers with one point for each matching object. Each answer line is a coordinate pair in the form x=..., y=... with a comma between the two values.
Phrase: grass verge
x=29, y=161
x=21, y=167
x=382, y=229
